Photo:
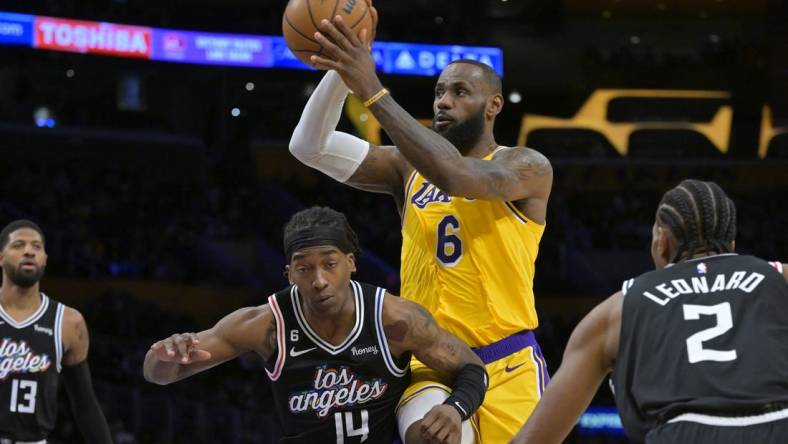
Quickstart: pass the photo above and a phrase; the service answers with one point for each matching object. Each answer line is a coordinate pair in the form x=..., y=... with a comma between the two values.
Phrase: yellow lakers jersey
x=470, y=262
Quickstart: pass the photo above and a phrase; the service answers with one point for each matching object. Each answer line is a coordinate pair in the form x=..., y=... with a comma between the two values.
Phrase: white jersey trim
x=281, y=354
x=736, y=421
x=59, y=336
x=538, y=374
x=42, y=308
x=626, y=286
x=312, y=335
x=408, y=189
x=703, y=258
x=384, y=343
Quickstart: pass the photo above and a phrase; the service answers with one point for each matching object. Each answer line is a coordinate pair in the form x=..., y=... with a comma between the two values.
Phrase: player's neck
x=483, y=147
x=19, y=298
x=334, y=327
x=699, y=255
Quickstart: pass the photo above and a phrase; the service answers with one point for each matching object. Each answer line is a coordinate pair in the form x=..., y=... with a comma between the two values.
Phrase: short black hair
x=5, y=235
x=701, y=217
x=490, y=76
x=325, y=217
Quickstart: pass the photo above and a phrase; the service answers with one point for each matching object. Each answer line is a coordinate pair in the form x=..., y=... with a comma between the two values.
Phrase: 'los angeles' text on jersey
x=343, y=393
x=30, y=356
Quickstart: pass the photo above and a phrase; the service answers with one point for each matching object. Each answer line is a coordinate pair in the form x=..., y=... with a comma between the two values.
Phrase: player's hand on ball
x=180, y=348
x=348, y=54
x=371, y=33
x=442, y=425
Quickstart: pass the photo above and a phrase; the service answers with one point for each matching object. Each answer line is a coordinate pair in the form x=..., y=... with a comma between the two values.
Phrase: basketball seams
x=308, y=51
x=287, y=20
x=309, y=10
x=334, y=12
x=297, y=39
x=366, y=11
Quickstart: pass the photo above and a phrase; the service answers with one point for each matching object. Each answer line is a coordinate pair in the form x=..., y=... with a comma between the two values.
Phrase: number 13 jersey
x=30, y=354
x=469, y=262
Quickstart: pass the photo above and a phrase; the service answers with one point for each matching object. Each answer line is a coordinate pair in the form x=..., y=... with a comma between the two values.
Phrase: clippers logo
x=16, y=357
x=702, y=269
x=335, y=388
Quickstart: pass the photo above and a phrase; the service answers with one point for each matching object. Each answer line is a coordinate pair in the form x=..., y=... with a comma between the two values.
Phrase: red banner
x=92, y=37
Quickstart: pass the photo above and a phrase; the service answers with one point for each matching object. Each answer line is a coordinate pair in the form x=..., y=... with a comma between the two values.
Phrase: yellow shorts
x=517, y=382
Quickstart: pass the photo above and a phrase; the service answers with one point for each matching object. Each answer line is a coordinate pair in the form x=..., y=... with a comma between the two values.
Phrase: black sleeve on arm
x=467, y=395
x=87, y=412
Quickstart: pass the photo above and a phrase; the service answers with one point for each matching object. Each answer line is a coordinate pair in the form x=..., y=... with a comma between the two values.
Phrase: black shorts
x=686, y=432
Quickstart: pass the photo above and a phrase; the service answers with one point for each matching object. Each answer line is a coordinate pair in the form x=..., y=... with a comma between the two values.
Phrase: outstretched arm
x=77, y=381
x=410, y=327
x=522, y=174
x=183, y=355
x=589, y=356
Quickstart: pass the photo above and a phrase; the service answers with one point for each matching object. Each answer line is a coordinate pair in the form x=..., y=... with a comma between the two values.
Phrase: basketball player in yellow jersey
x=473, y=213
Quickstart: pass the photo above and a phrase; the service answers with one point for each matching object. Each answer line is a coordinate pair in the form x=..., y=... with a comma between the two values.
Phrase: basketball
x=301, y=18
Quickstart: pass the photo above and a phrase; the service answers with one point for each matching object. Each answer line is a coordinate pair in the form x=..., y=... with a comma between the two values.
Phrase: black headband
x=316, y=236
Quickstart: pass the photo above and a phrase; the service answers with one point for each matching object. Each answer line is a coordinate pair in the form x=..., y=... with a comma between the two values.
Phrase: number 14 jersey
x=339, y=394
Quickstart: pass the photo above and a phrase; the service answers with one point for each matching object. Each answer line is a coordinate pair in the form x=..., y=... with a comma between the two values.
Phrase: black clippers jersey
x=30, y=353
x=335, y=394
x=709, y=335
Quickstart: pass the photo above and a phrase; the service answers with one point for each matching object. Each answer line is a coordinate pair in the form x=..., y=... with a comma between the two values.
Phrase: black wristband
x=467, y=395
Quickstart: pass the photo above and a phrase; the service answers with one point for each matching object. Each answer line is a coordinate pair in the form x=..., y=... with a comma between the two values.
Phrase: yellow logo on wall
x=593, y=115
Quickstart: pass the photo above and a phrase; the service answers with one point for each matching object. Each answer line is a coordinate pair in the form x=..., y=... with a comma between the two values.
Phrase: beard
x=464, y=135
x=22, y=278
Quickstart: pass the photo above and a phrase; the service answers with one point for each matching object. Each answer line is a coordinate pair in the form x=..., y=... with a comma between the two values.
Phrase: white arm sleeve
x=315, y=141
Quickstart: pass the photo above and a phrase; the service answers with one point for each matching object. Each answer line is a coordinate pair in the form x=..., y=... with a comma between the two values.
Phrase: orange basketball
x=301, y=18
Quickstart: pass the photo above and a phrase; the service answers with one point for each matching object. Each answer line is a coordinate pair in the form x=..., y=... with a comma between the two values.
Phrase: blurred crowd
x=117, y=221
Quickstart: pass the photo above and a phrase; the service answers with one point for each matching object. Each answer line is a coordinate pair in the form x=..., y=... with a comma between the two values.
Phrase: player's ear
x=287, y=274
x=494, y=105
x=351, y=261
x=665, y=245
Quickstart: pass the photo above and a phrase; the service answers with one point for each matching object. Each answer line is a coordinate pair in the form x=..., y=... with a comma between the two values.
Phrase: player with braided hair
x=700, y=216
x=697, y=347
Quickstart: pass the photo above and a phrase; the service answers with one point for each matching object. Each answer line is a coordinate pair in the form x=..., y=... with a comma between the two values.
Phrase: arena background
x=163, y=187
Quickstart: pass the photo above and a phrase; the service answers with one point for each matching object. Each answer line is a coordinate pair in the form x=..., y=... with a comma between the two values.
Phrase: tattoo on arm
x=397, y=331
x=428, y=152
x=431, y=344
x=380, y=172
x=270, y=344
x=511, y=168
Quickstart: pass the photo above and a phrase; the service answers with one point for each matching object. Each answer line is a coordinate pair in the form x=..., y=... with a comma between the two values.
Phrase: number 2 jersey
x=470, y=262
x=30, y=355
x=708, y=335
x=339, y=394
